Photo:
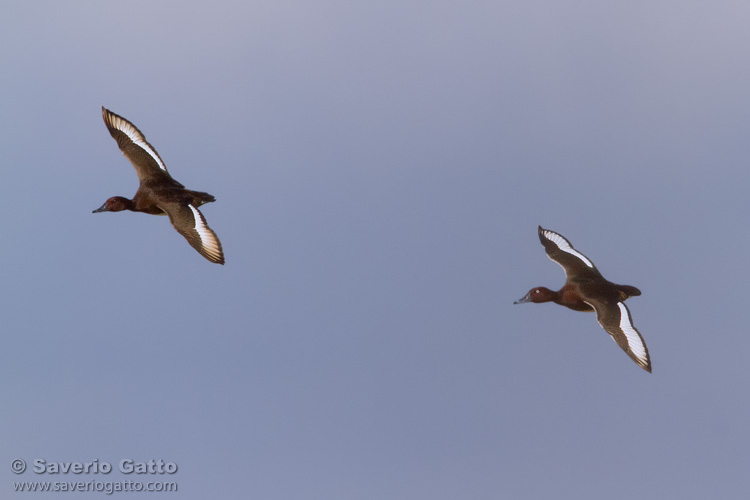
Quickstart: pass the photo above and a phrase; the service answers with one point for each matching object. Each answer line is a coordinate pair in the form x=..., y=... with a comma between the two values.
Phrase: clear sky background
x=380, y=169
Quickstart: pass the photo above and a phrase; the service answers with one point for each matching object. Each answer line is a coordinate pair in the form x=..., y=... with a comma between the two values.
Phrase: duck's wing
x=134, y=146
x=559, y=250
x=616, y=320
x=189, y=222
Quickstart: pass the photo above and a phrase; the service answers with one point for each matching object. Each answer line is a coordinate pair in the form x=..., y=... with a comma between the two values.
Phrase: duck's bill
x=526, y=298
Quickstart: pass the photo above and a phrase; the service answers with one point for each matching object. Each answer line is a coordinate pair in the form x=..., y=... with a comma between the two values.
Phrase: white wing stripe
x=634, y=339
x=563, y=245
x=208, y=240
x=127, y=129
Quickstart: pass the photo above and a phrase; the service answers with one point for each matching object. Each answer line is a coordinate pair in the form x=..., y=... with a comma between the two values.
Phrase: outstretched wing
x=134, y=146
x=616, y=320
x=560, y=250
x=189, y=222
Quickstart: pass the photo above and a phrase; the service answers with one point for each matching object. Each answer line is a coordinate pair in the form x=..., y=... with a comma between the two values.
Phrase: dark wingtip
x=105, y=116
x=540, y=233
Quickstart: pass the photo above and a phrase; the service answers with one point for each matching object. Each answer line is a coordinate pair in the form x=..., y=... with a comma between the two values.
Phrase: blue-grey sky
x=380, y=169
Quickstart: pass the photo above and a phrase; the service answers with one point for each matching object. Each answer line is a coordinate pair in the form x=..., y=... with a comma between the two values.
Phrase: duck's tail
x=199, y=198
x=627, y=291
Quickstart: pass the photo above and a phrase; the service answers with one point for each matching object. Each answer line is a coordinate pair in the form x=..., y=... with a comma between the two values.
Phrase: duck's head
x=538, y=295
x=114, y=204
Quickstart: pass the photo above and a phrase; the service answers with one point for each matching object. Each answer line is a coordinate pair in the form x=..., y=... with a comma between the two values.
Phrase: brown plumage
x=586, y=289
x=159, y=193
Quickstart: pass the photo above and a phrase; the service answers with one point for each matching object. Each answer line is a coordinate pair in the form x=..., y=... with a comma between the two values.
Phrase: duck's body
x=586, y=290
x=572, y=294
x=151, y=195
x=159, y=193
